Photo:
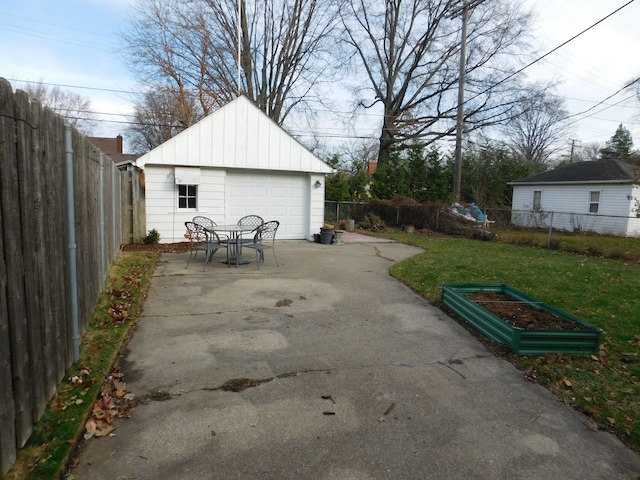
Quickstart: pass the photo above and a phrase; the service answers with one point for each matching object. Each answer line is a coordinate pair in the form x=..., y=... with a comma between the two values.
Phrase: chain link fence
x=609, y=236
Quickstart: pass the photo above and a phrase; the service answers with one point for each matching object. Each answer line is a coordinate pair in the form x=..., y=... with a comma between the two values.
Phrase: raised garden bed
x=527, y=325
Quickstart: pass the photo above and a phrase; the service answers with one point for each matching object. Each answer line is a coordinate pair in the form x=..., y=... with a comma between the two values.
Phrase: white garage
x=234, y=162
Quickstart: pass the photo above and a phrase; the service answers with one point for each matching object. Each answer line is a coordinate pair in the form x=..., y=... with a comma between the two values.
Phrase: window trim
x=593, y=203
x=537, y=203
x=187, y=196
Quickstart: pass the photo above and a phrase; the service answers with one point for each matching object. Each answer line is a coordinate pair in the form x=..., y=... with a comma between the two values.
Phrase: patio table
x=235, y=232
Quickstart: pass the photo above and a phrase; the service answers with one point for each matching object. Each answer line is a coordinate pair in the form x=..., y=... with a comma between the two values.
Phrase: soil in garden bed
x=521, y=314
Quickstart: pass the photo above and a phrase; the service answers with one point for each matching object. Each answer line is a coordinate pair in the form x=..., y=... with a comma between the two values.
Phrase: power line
x=129, y=92
x=602, y=101
x=554, y=49
x=74, y=86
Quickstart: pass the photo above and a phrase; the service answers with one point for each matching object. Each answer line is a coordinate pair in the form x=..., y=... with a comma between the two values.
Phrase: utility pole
x=573, y=144
x=457, y=166
x=239, y=47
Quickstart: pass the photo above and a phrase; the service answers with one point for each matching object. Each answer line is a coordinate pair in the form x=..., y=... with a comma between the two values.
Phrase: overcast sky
x=76, y=43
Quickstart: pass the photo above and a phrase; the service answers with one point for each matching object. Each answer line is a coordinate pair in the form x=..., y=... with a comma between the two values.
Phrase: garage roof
x=238, y=135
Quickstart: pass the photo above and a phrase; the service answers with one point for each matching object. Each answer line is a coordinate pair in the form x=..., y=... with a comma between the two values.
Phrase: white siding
x=161, y=200
x=570, y=207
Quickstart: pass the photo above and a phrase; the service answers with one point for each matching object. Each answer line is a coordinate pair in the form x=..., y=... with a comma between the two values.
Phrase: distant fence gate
x=61, y=226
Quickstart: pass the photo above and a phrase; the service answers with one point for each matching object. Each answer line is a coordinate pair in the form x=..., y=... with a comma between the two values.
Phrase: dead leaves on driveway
x=114, y=401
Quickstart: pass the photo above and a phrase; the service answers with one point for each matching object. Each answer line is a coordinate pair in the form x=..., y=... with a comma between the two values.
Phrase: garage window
x=187, y=196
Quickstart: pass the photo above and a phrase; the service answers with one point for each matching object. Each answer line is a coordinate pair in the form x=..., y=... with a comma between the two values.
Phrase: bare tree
x=410, y=50
x=160, y=115
x=192, y=47
x=168, y=47
x=75, y=108
x=535, y=132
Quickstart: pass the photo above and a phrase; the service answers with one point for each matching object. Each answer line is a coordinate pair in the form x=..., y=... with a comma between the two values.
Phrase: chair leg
x=192, y=256
x=274, y=256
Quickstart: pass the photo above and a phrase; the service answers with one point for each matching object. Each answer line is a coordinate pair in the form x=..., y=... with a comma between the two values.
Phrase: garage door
x=281, y=197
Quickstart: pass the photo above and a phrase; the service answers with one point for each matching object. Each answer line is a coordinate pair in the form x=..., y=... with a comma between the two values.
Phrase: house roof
x=237, y=136
x=597, y=171
x=112, y=147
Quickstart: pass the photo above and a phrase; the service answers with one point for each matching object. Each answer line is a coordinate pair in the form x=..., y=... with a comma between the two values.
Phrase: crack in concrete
x=240, y=384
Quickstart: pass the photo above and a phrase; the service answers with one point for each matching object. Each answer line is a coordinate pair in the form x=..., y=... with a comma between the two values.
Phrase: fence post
x=398, y=215
x=484, y=223
x=550, y=231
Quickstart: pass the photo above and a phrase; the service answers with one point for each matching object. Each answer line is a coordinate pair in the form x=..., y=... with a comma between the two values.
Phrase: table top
x=231, y=228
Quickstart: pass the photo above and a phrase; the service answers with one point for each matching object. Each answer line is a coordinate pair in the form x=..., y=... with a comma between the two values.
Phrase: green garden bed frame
x=522, y=341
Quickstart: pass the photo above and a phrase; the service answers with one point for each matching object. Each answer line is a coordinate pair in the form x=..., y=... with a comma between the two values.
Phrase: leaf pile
x=114, y=401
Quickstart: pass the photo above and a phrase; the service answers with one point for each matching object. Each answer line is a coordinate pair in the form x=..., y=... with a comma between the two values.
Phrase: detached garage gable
x=238, y=135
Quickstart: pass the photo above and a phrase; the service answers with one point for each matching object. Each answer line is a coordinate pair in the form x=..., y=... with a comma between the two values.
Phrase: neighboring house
x=601, y=196
x=234, y=162
x=113, y=147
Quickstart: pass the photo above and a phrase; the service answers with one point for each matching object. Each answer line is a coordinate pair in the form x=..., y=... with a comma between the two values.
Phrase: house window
x=188, y=196
x=594, y=202
x=537, y=199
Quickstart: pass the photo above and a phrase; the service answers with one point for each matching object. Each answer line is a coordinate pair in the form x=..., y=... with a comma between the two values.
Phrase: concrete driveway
x=353, y=376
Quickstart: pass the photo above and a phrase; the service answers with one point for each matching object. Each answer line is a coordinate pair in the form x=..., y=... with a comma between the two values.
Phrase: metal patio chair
x=204, y=221
x=264, y=238
x=201, y=240
x=251, y=221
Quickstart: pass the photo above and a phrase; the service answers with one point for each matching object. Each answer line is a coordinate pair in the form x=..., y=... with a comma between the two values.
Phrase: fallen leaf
x=119, y=385
x=382, y=420
x=213, y=433
x=567, y=383
x=255, y=424
x=611, y=420
x=104, y=432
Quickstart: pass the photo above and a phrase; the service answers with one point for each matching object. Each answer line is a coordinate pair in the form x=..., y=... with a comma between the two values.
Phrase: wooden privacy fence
x=61, y=211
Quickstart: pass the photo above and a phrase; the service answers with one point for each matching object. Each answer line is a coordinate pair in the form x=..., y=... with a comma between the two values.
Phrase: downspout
x=103, y=240
x=71, y=226
x=115, y=177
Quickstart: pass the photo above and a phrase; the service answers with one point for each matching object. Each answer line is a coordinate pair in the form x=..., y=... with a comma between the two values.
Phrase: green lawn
x=600, y=291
